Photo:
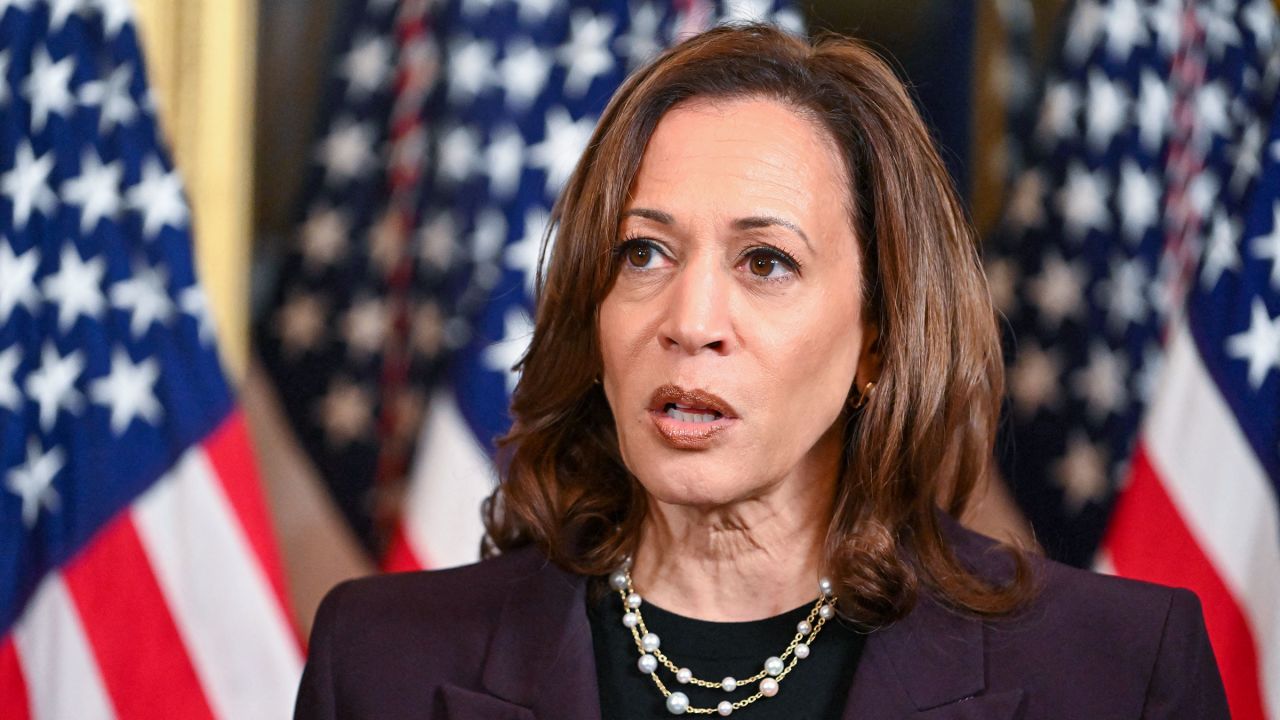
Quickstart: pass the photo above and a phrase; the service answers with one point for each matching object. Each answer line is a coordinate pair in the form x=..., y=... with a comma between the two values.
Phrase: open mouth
x=686, y=413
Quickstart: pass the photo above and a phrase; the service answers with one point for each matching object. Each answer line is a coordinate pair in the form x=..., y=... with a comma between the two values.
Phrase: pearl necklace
x=775, y=669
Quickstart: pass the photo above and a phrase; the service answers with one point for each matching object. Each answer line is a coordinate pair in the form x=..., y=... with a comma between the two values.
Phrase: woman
x=764, y=378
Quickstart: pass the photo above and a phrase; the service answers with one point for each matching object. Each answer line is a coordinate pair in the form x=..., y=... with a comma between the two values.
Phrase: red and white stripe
x=174, y=610
x=441, y=522
x=1199, y=513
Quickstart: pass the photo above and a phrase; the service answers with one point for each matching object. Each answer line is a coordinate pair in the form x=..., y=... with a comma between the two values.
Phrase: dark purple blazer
x=508, y=639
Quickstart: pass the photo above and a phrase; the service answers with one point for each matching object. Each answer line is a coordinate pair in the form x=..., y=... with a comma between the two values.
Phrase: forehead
x=725, y=147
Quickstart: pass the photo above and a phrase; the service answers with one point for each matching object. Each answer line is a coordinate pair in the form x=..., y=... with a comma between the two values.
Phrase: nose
x=697, y=313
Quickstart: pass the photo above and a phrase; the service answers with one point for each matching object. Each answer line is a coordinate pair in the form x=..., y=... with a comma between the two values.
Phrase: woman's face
x=733, y=333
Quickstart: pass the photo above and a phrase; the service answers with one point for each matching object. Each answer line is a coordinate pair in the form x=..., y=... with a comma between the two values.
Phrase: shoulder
x=366, y=622
x=1089, y=601
x=382, y=646
x=472, y=588
x=1131, y=643
x=469, y=597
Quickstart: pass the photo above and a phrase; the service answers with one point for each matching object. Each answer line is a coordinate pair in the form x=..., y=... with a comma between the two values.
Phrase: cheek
x=813, y=361
x=620, y=339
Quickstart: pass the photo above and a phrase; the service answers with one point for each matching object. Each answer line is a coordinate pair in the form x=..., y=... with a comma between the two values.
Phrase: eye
x=770, y=264
x=639, y=254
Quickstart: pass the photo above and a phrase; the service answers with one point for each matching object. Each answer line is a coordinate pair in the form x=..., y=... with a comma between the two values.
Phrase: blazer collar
x=541, y=656
x=928, y=659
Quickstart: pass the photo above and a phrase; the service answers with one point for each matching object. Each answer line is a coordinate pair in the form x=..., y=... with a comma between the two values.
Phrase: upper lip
x=695, y=398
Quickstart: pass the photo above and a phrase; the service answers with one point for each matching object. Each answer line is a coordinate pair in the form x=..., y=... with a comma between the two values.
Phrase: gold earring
x=867, y=390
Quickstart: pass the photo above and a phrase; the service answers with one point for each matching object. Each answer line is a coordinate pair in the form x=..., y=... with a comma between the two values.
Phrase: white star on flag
x=532, y=12
x=1035, y=379
x=504, y=161
x=560, y=149
x=1259, y=345
x=1260, y=17
x=1124, y=293
x=1083, y=202
x=76, y=288
x=1125, y=29
x=143, y=296
x=1153, y=110
x=1108, y=111
x=33, y=482
x=460, y=153
x=325, y=237
x=1101, y=383
x=193, y=302
x=347, y=152
x=17, y=280
x=10, y=396
x=1058, y=290
x=1026, y=204
x=111, y=96
x=436, y=241
x=367, y=66
x=488, y=236
x=523, y=254
x=1267, y=247
x=128, y=391
x=158, y=196
x=586, y=55
x=365, y=326
x=27, y=184
x=19, y=4
x=1082, y=473
x=1247, y=157
x=347, y=412
x=1165, y=18
x=115, y=13
x=1211, y=112
x=1083, y=33
x=1220, y=30
x=96, y=190
x=48, y=88
x=523, y=74
x=1221, y=252
x=471, y=67
x=641, y=42
x=60, y=10
x=747, y=10
x=502, y=356
x=1139, y=200
x=300, y=323
x=53, y=385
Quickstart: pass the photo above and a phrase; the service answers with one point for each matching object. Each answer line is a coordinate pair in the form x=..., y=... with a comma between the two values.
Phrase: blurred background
x=362, y=187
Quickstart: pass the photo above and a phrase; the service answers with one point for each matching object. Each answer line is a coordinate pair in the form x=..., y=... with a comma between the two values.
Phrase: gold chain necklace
x=775, y=668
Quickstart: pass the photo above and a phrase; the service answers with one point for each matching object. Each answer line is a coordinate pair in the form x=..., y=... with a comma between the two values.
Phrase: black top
x=814, y=690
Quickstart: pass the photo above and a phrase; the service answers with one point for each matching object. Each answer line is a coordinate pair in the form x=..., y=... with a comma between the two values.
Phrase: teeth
x=690, y=417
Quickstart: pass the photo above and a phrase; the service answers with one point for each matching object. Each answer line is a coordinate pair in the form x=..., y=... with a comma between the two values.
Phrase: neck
x=748, y=560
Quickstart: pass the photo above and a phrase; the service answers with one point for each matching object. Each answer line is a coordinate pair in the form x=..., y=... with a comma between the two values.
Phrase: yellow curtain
x=200, y=56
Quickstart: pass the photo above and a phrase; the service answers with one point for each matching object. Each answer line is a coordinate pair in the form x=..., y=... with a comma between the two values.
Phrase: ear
x=869, y=358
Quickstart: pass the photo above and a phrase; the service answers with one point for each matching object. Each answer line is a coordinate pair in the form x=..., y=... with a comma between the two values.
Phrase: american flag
x=429, y=279
x=1141, y=284
x=138, y=576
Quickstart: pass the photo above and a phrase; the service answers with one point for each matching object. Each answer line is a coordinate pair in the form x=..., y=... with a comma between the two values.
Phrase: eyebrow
x=763, y=221
x=754, y=222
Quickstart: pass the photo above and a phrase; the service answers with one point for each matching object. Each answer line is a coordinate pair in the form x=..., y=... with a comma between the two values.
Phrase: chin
x=677, y=483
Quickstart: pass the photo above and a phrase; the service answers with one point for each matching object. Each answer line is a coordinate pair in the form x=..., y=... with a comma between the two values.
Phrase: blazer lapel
x=928, y=665
x=458, y=703
x=540, y=656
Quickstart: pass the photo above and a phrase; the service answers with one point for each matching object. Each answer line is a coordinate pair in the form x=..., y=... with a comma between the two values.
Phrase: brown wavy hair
x=923, y=441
